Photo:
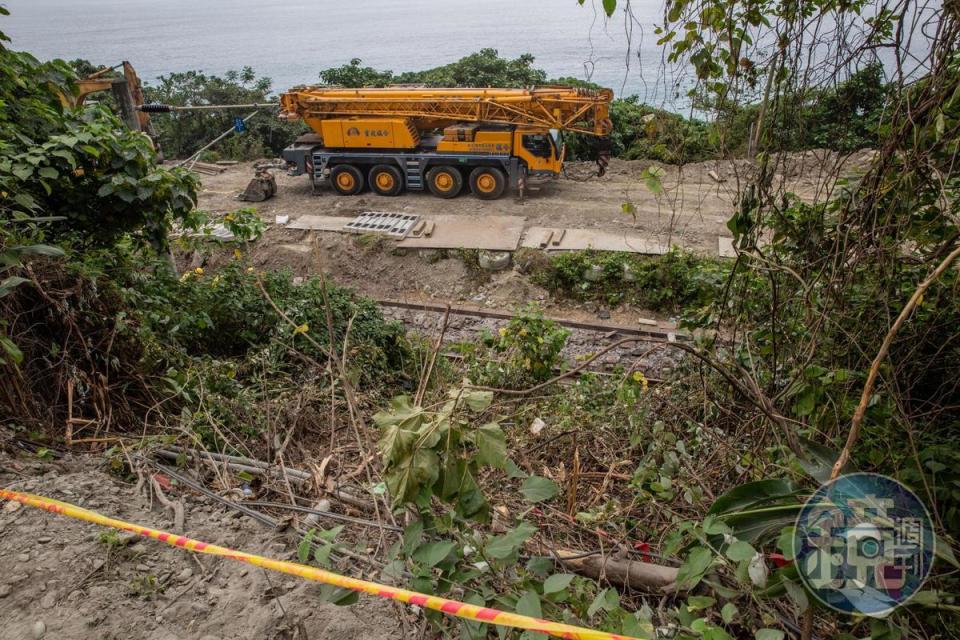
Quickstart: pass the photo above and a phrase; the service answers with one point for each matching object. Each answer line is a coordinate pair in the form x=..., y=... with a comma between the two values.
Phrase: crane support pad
x=493, y=233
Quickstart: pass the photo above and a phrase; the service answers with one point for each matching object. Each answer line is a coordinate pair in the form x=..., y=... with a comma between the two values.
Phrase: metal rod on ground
x=237, y=459
x=223, y=135
x=257, y=468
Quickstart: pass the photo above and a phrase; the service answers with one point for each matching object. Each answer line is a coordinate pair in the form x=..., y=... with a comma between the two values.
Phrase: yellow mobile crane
x=399, y=138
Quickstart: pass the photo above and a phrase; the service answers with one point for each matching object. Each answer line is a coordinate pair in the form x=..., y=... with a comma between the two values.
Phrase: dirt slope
x=58, y=579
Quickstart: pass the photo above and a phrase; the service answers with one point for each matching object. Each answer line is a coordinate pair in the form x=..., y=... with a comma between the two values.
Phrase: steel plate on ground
x=392, y=224
x=320, y=223
x=580, y=239
x=494, y=233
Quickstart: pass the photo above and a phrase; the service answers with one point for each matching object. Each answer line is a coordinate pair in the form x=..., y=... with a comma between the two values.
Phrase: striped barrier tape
x=449, y=607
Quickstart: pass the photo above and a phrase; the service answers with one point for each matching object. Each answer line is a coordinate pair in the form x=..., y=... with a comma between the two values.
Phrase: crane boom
x=563, y=108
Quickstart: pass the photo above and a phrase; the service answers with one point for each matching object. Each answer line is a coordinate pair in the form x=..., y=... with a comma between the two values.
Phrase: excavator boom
x=562, y=108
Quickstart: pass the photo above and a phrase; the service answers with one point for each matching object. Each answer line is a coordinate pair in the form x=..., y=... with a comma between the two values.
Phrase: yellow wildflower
x=237, y=254
x=303, y=328
x=640, y=379
x=249, y=269
x=186, y=275
x=228, y=217
x=198, y=271
x=540, y=339
x=503, y=331
x=523, y=332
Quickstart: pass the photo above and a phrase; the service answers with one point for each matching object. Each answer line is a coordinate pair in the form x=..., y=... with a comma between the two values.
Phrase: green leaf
x=768, y=634
x=322, y=554
x=740, y=551
x=13, y=352
x=609, y=6
x=338, y=595
x=695, y=603
x=818, y=460
x=787, y=541
x=751, y=494
x=39, y=250
x=412, y=536
x=538, y=489
x=529, y=604
x=754, y=524
x=492, y=446
x=606, y=600
x=798, y=594
x=329, y=534
x=729, y=612
x=411, y=474
x=540, y=565
x=396, y=443
x=713, y=526
x=303, y=550
x=478, y=400
x=432, y=553
x=557, y=582
x=49, y=172
x=513, y=471
x=694, y=567
x=9, y=284
x=502, y=547
x=806, y=401
x=943, y=551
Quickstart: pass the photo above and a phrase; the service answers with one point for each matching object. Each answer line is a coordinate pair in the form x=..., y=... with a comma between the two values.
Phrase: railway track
x=480, y=312
x=585, y=339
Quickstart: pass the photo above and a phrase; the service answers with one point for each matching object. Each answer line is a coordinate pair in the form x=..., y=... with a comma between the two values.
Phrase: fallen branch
x=642, y=576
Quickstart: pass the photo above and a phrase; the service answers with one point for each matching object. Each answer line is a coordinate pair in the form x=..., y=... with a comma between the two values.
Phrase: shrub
x=524, y=352
x=661, y=283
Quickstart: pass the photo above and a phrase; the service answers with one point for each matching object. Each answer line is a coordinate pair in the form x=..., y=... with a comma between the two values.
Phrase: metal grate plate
x=392, y=224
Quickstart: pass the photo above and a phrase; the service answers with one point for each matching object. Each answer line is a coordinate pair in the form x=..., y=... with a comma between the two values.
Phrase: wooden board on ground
x=320, y=223
x=558, y=239
x=493, y=233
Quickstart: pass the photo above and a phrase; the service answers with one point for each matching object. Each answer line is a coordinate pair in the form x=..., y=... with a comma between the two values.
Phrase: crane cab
x=538, y=149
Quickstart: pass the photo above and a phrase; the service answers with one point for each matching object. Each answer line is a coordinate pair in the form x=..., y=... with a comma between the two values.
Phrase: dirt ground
x=59, y=578
x=691, y=212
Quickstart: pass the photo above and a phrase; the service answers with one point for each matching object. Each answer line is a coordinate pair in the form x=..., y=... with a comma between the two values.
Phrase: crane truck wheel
x=346, y=179
x=386, y=180
x=487, y=183
x=444, y=182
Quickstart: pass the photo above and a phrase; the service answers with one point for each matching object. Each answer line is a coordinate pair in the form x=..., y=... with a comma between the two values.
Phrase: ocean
x=290, y=41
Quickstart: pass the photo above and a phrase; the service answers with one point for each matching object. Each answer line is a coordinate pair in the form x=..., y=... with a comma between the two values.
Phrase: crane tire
x=444, y=182
x=346, y=179
x=487, y=183
x=385, y=180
